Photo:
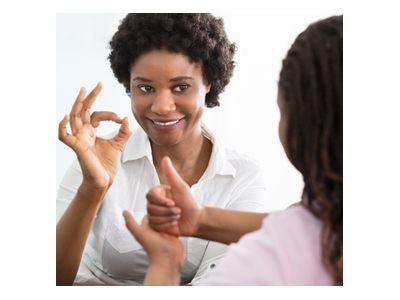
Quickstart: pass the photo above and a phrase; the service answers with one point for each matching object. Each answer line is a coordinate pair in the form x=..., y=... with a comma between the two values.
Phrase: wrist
x=88, y=190
x=201, y=222
x=93, y=177
x=161, y=272
x=167, y=263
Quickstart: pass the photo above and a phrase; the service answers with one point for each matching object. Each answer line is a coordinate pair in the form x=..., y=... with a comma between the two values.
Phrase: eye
x=181, y=88
x=146, y=88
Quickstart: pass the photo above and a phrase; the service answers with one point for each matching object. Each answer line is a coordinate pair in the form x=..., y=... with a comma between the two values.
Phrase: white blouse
x=112, y=255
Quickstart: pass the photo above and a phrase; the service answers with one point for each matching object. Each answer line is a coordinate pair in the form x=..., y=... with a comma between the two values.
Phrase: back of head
x=311, y=82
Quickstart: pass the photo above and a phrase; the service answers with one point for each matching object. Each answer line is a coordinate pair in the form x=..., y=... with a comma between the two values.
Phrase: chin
x=167, y=141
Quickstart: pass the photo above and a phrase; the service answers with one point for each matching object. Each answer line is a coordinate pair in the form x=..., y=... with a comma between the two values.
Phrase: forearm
x=227, y=226
x=162, y=274
x=72, y=232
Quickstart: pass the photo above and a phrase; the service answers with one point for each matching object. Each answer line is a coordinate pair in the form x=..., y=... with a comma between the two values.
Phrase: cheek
x=137, y=105
x=194, y=104
x=283, y=126
x=137, y=110
x=198, y=108
x=280, y=131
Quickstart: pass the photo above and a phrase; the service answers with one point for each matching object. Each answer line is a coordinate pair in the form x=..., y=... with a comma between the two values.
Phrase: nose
x=163, y=103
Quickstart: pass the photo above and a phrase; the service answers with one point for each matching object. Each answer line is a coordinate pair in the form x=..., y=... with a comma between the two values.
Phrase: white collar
x=138, y=146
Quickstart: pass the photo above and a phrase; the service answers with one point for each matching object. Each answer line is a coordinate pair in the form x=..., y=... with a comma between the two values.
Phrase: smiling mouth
x=166, y=123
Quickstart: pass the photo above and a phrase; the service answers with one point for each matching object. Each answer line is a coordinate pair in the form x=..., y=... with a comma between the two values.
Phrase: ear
x=208, y=88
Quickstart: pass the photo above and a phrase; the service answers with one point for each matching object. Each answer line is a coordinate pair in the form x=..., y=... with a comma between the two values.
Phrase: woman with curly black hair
x=201, y=37
x=302, y=245
x=172, y=66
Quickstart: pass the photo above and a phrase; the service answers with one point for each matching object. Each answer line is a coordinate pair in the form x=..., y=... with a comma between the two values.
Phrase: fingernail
x=169, y=204
x=175, y=217
x=175, y=211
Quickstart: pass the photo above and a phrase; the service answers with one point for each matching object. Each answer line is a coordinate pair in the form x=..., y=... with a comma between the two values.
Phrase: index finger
x=75, y=114
x=131, y=224
x=88, y=103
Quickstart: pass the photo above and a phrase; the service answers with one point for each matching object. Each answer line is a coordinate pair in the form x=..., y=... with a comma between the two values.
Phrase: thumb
x=123, y=133
x=174, y=180
x=132, y=226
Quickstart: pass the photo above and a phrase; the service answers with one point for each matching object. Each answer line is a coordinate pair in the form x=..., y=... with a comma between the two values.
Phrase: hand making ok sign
x=99, y=158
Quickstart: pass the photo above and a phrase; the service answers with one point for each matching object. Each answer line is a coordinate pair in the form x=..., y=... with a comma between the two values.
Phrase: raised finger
x=75, y=114
x=131, y=224
x=174, y=180
x=123, y=135
x=63, y=135
x=88, y=103
x=99, y=116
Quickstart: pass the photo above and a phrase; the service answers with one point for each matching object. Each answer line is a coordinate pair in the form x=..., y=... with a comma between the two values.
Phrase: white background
x=371, y=148
x=247, y=119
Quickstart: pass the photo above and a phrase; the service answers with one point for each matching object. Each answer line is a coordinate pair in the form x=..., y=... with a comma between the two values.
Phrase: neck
x=190, y=157
x=185, y=154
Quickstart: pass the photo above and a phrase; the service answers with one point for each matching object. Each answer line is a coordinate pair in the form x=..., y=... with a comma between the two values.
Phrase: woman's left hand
x=164, y=250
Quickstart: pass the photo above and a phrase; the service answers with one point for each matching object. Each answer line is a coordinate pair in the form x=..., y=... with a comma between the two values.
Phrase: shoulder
x=279, y=253
x=296, y=226
x=242, y=162
x=296, y=234
x=248, y=171
x=289, y=244
x=299, y=217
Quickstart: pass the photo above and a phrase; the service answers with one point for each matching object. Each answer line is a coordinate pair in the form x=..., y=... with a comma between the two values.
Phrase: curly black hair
x=199, y=36
x=312, y=84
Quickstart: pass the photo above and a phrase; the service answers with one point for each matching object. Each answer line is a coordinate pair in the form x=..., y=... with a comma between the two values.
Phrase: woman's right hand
x=173, y=209
x=99, y=158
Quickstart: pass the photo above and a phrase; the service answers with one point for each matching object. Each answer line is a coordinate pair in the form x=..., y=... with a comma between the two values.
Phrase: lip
x=166, y=128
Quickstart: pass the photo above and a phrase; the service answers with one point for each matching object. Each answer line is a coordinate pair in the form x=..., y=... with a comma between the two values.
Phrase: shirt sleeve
x=251, y=197
x=84, y=275
x=66, y=192
x=68, y=188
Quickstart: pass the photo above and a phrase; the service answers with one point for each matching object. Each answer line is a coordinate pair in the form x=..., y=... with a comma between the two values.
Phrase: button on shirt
x=113, y=256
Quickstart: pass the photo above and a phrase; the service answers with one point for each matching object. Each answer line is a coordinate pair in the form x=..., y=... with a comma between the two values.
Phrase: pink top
x=285, y=251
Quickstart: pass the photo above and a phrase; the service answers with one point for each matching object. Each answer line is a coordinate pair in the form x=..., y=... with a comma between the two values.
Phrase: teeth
x=166, y=124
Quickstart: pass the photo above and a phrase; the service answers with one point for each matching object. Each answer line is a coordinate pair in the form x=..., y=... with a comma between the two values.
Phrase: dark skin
x=165, y=86
x=99, y=160
x=192, y=219
x=190, y=173
x=209, y=223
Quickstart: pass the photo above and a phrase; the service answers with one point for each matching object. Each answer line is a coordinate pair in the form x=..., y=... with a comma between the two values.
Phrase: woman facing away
x=172, y=67
x=302, y=245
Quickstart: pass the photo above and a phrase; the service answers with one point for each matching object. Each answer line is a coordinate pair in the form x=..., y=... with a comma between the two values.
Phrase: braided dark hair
x=311, y=81
x=199, y=36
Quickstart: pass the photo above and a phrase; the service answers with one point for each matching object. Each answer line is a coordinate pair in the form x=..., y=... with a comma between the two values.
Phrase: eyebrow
x=142, y=79
x=179, y=78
